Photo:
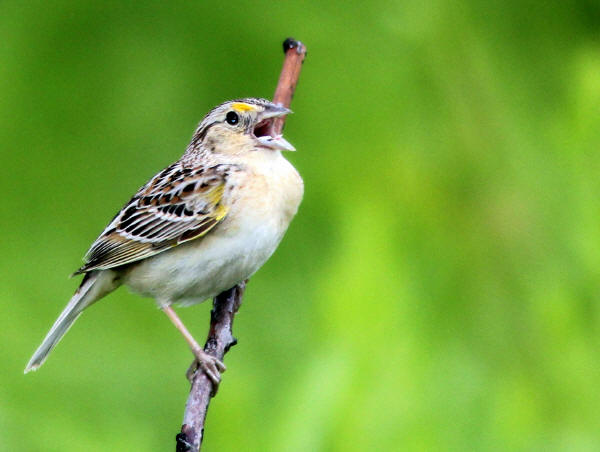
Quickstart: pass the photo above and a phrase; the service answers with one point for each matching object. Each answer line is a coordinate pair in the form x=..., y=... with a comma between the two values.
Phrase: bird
x=200, y=226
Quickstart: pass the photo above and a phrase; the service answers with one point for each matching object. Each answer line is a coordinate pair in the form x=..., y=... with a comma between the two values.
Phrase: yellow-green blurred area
x=438, y=290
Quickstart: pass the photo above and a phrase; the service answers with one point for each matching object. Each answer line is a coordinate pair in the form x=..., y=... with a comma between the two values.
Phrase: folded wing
x=177, y=205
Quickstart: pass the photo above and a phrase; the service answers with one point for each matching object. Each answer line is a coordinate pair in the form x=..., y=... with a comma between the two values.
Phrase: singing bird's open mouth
x=264, y=133
x=264, y=128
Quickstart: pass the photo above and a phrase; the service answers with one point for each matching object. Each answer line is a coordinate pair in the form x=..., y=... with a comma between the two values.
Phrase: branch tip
x=291, y=43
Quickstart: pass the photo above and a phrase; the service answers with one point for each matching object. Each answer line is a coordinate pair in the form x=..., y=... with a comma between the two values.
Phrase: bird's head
x=240, y=126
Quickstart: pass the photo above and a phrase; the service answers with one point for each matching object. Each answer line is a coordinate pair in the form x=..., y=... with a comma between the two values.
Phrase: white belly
x=234, y=250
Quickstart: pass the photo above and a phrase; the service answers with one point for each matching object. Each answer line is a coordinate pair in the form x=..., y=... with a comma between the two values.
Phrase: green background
x=438, y=289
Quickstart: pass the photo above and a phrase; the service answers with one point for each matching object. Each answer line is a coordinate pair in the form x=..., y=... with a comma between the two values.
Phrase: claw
x=191, y=372
x=210, y=365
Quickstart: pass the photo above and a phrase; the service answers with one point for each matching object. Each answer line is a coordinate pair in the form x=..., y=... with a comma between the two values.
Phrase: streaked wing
x=177, y=205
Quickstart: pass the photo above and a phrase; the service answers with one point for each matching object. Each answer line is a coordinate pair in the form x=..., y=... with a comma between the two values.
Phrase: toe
x=191, y=372
x=214, y=377
x=220, y=365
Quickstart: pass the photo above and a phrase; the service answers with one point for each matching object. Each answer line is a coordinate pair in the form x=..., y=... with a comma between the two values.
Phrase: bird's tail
x=94, y=286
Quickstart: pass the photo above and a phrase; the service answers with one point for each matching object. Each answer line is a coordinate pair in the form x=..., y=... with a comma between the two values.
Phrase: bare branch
x=295, y=52
x=226, y=304
x=219, y=341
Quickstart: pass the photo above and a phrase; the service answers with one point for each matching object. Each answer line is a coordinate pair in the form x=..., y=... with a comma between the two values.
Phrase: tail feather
x=94, y=286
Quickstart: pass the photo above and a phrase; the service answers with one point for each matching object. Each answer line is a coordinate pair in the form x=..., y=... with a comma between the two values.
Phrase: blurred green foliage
x=439, y=287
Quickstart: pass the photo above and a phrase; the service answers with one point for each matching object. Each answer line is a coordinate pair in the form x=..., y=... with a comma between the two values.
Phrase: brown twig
x=226, y=304
x=295, y=52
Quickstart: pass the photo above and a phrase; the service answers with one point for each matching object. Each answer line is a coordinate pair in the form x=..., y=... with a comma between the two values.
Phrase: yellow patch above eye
x=241, y=107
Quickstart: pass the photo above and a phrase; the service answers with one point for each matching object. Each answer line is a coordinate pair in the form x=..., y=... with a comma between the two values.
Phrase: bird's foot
x=210, y=365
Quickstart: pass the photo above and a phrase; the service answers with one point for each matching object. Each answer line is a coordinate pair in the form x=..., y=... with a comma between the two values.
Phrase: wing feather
x=178, y=205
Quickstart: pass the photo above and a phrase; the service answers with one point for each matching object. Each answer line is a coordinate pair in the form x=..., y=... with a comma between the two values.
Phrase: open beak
x=275, y=111
x=263, y=131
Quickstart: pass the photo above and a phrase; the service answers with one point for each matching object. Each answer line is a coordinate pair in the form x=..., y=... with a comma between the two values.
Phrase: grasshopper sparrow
x=200, y=226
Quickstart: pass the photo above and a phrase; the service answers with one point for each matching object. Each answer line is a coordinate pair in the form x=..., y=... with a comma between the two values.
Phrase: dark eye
x=232, y=118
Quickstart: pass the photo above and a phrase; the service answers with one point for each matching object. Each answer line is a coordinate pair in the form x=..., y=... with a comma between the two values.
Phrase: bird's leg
x=209, y=364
